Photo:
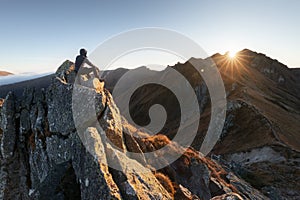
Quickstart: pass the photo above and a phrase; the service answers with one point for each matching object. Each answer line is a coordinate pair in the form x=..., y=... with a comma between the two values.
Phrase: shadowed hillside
x=261, y=134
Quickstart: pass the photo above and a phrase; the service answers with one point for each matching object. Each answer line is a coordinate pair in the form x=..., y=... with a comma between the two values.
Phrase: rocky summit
x=43, y=155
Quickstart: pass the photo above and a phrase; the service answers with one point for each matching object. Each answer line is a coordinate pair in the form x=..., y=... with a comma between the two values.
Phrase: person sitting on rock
x=80, y=61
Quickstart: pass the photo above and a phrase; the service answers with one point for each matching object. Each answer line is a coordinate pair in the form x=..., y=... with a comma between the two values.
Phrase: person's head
x=83, y=52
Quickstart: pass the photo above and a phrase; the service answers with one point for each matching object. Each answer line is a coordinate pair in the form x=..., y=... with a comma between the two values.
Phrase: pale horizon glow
x=38, y=36
x=147, y=58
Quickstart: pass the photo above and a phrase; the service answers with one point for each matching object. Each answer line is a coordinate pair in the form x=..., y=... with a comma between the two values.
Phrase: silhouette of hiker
x=81, y=60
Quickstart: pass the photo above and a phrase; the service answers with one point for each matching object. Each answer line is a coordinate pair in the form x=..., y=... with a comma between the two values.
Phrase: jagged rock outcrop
x=42, y=156
x=44, y=153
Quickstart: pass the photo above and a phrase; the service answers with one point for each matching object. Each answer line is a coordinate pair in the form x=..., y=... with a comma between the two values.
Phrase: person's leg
x=82, y=71
x=96, y=72
x=86, y=71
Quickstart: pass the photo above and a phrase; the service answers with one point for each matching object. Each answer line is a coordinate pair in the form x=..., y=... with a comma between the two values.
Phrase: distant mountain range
x=4, y=73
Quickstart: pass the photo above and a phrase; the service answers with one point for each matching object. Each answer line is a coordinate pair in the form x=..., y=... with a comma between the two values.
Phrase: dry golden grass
x=159, y=141
x=166, y=183
x=151, y=143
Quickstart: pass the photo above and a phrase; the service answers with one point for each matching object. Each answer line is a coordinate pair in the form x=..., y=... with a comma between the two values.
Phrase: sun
x=232, y=54
x=233, y=63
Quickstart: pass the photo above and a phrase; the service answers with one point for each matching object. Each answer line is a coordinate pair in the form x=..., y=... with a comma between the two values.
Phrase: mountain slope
x=262, y=122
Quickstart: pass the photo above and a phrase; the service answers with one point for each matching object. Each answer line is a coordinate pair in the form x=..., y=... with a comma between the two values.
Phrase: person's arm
x=89, y=63
x=95, y=69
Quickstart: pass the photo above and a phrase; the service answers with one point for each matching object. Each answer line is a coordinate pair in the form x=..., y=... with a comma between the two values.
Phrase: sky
x=37, y=36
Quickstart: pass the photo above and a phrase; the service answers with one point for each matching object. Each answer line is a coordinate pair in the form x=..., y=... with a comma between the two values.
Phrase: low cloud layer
x=6, y=80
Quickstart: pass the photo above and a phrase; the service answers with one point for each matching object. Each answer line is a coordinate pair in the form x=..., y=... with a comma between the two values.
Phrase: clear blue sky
x=40, y=35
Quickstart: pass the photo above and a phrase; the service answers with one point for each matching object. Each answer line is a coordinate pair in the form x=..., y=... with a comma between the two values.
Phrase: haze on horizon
x=37, y=36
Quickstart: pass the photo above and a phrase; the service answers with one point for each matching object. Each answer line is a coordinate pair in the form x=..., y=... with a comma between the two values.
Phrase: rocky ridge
x=43, y=157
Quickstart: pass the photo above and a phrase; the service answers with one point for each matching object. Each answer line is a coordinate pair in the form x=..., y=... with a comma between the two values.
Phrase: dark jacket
x=79, y=61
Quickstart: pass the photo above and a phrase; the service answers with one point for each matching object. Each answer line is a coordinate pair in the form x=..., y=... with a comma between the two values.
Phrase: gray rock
x=183, y=193
x=8, y=126
x=24, y=125
x=87, y=106
x=138, y=182
x=228, y=196
x=111, y=123
x=245, y=189
x=92, y=171
x=59, y=104
x=198, y=183
x=64, y=70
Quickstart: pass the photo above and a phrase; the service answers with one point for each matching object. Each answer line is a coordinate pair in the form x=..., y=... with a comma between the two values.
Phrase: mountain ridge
x=43, y=157
x=262, y=116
